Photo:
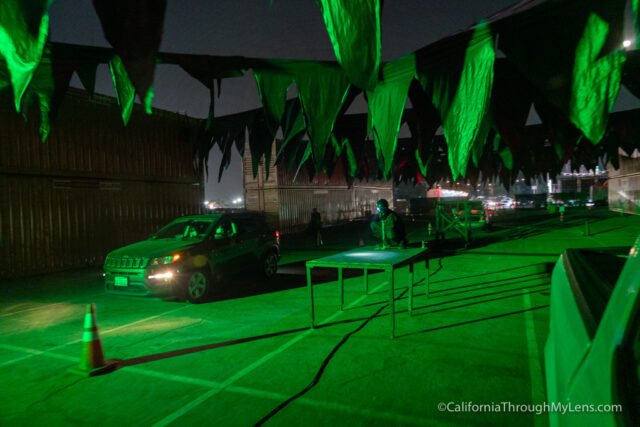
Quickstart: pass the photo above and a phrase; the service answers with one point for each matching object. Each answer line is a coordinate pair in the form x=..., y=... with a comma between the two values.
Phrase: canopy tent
x=564, y=57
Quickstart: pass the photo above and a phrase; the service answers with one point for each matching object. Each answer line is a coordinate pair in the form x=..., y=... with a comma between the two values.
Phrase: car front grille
x=126, y=262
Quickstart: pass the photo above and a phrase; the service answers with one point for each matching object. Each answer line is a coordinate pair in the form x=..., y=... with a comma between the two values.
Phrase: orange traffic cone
x=92, y=361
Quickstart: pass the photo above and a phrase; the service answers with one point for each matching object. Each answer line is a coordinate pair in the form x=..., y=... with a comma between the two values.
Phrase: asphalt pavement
x=248, y=357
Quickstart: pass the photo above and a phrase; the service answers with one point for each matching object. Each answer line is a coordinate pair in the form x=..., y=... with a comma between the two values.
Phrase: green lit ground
x=479, y=338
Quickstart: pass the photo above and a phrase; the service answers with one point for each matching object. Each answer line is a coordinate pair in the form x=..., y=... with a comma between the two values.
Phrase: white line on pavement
x=535, y=370
x=245, y=391
x=194, y=403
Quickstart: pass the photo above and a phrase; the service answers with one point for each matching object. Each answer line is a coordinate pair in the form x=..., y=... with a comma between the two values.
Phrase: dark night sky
x=285, y=29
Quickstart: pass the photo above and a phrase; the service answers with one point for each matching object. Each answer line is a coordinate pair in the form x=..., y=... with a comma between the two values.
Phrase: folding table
x=388, y=260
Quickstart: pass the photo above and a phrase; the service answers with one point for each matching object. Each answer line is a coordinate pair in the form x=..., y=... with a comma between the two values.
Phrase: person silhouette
x=388, y=226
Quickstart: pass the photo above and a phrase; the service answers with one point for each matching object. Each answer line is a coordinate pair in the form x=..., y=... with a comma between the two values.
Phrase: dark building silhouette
x=94, y=185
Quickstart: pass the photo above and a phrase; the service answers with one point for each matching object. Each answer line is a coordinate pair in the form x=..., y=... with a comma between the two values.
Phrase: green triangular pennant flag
x=322, y=90
x=125, y=93
x=272, y=87
x=464, y=114
x=41, y=90
x=354, y=30
x=386, y=105
x=635, y=7
x=596, y=80
x=23, y=32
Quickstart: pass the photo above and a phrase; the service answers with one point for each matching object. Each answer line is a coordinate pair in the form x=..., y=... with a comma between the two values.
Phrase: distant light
x=206, y=203
x=453, y=193
x=626, y=43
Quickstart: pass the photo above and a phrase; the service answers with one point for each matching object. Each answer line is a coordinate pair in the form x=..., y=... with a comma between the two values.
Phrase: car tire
x=270, y=264
x=198, y=286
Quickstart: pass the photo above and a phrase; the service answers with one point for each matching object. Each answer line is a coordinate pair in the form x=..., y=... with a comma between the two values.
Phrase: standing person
x=387, y=226
x=315, y=225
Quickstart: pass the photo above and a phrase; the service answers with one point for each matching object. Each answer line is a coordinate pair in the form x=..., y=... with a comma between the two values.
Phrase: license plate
x=121, y=281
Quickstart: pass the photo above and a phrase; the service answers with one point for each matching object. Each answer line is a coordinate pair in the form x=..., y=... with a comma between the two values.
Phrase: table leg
x=392, y=303
x=310, y=287
x=411, y=290
x=366, y=281
x=341, y=280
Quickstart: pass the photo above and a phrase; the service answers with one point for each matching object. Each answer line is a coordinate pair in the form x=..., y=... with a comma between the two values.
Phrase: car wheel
x=270, y=264
x=198, y=286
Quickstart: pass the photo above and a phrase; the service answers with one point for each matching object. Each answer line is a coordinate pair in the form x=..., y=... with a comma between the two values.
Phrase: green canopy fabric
x=272, y=87
x=635, y=7
x=423, y=166
x=343, y=146
x=482, y=134
x=134, y=29
x=50, y=80
x=570, y=59
x=386, y=105
x=511, y=101
x=306, y=154
x=24, y=26
x=423, y=121
x=5, y=77
x=226, y=132
x=207, y=70
x=83, y=60
x=260, y=142
x=596, y=80
x=322, y=90
x=503, y=151
x=293, y=129
x=464, y=109
x=125, y=92
x=354, y=30
x=41, y=92
x=565, y=56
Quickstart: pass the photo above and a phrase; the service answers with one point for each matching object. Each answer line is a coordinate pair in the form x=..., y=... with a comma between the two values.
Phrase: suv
x=189, y=256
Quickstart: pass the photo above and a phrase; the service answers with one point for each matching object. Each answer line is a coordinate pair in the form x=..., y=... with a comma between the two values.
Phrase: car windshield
x=185, y=229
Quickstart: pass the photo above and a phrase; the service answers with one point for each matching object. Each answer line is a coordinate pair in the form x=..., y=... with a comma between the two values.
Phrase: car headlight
x=167, y=275
x=169, y=259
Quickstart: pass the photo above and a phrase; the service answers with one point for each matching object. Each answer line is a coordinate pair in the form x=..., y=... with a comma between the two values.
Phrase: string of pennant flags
x=565, y=58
